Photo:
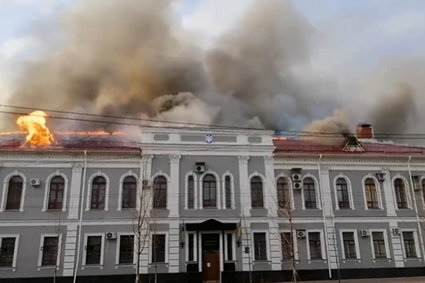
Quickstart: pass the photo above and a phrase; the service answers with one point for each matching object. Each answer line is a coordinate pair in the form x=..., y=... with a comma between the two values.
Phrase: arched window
x=371, y=194
x=160, y=192
x=190, y=192
x=400, y=193
x=283, y=197
x=423, y=188
x=342, y=193
x=14, y=193
x=56, y=193
x=209, y=191
x=129, y=192
x=228, y=191
x=309, y=193
x=98, y=191
x=257, y=192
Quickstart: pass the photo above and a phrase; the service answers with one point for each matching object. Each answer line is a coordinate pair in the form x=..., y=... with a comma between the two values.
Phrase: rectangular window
x=191, y=247
x=7, y=251
x=287, y=245
x=190, y=192
x=379, y=245
x=229, y=246
x=158, y=248
x=228, y=192
x=50, y=251
x=94, y=250
x=409, y=244
x=349, y=245
x=260, y=246
x=126, y=255
x=315, y=245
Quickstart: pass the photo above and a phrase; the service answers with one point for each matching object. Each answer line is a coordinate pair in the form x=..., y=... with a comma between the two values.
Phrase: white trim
x=295, y=242
x=49, y=178
x=15, y=249
x=90, y=184
x=6, y=190
x=118, y=247
x=378, y=192
x=406, y=191
x=129, y=173
x=350, y=192
x=356, y=243
x=322, y=244
x=186, y=190
x=167, y=178
x=102, y=248
x=232, y=190
x=316, y=186
x=58, y=254
x=386, y=242
x=220, y=244
x=415, y=239
x=290, y=188
x=253, y=231
x=166, y=233
x=201, y=189
x=195, y=247
x=263, y=180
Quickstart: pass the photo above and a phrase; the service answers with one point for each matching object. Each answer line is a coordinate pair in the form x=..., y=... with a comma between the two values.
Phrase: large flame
x=34, y=125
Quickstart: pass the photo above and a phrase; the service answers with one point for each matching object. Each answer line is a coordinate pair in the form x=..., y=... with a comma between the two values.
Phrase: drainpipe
x=415, y=206
x=323, y=215
x=78, y=240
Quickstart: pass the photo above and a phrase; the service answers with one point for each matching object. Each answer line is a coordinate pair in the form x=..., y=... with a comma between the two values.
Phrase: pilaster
x=75, y=191
x=245, y=196
x=173, y=191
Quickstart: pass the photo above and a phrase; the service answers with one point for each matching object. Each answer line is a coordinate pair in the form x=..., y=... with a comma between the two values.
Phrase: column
x=270, y=187
x=173, y=188
x=386, y=189
x=75, y=191
x=174, y=247
x=245, y=196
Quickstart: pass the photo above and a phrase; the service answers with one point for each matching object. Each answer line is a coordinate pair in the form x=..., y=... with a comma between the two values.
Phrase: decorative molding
x=243, y=158
x=174, y=157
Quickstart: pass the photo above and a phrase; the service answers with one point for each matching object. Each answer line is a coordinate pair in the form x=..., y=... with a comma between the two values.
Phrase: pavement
x=373, y=280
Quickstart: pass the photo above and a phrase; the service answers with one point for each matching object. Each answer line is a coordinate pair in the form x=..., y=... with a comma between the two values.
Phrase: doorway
x=210, y=258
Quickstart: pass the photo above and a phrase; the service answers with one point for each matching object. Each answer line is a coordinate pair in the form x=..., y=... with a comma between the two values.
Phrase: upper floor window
x=283, y=197
x=228, y=191
x=400, y=193
x=257, y=200
x=209, y=191
x=190, y=192
x=98, y=193
x=371, y=194
x=342, y=193
x=160, y=192
x=129, y=192
x=56, y=193
x=14, y=193
x=309, y=192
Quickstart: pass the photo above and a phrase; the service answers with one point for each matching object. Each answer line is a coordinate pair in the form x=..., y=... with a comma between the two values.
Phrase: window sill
x=382, y=260
x=5, y=268
x=350, y=260
x=125, y=265
x=94, y=266
x=317, y=260
x=262, y=261
x=416, y=259
x=50, y=267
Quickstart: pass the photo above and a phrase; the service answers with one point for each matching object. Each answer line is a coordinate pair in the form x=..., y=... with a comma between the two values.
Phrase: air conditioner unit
x=200, y=167
x=35, y=182
x=297, y=185
x=301, y=234
x=111, y=235
x=396, y=231
x=364, y=233
x=380, y=176
x=296, y=177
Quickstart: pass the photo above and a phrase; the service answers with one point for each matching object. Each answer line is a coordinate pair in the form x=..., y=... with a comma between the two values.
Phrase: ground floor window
x=7, y=251
x=158, y=248
x=260, y=246
x=126, y=255
x=50, y=251
x=94, y=250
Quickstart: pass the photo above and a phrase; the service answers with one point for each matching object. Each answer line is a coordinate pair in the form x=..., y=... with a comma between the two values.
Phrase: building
x=223, y=205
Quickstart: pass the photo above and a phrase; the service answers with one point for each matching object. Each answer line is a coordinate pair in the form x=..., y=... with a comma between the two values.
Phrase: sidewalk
x=374, y=280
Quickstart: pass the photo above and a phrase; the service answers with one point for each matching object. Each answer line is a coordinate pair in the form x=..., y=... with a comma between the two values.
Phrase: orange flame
x=34, y=125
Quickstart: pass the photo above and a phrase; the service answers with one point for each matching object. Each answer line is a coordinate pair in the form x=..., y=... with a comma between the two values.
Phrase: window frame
x=232, y=191
x=121, y=190
x=201, y=189
x=416, y=243
x=102, y=249
x=151, y=247
x=58, y=254
x=356, y=243
x=263, y=182
x=47, y=191
x=225, y=259
x=316, y=191
x=266, y=232
x=89, y=191
x=294, y=239
x=406, y=191
x=349, y=192
x=195, y=247
x=167, y=189
x=386, y=244
x=6, y=191
x=186, y=190
x=378, y=192
x=118, y=248
x=290, y=191
x=15, y=250
x=322, y=245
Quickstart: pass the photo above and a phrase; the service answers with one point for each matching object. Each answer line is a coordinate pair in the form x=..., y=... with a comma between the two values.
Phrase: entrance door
x=210, y=258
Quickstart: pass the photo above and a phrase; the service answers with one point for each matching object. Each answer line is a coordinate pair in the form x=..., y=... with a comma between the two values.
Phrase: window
x=283, y=197
x=209, y=191
x=158, y=248
x=309, y=193
x=191, y=247
x=260, y=246
x=371, y=194
x=409, y=244
x=229, y=246
x=160, y=192
x=98, y=191
x=126, y=249
x=7, y=251
x=190, y=192
x=257, y=192
x=94, y=250
x=50, y=251
x=379, y=245
x=342, y=193
x=228, y=191
x=423, y=189
x=14, y=193
x=349, y=245
x=315, y=245
x=287, y=243
x=56, y=193
x=400, y=193
x=129, y=192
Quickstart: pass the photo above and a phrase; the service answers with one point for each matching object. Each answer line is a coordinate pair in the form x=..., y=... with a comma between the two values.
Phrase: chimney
x=364, y=131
